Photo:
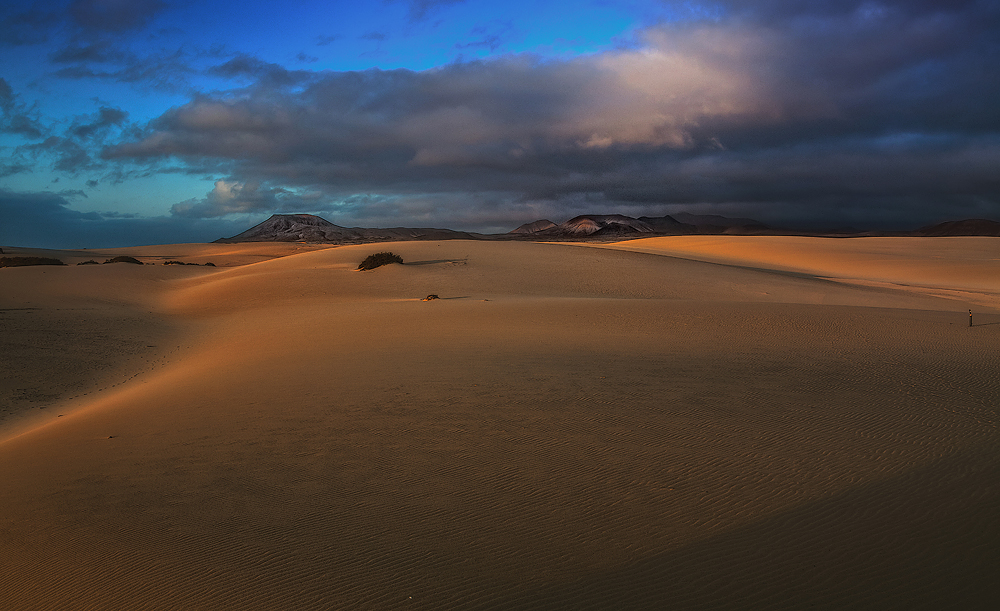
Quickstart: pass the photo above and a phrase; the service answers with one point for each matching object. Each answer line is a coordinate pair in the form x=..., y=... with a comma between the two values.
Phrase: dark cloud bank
x=45, y=220
x=843, y=113
x=813, y=115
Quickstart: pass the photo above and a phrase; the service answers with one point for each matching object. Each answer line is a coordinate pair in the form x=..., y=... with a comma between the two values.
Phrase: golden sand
x=712, y=422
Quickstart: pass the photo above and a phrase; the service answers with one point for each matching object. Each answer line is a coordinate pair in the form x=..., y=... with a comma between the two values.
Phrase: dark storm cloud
x=40, y=22
x=47, y=220
x=266, y=75
x=26, y=27
x=420, y=10
x=115, y=52
x=15, y=116
x=114, y=15
x=166, y=70
x=6, y=94
x=105, y=119
x=490, y=36
x=323, y=40
x=99, y=52
x=778, y=109
x=71, y=149
x=65, y=154
x=9, y=169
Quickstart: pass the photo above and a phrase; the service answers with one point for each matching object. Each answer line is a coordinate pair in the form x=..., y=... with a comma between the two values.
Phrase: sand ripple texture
x=566, y=428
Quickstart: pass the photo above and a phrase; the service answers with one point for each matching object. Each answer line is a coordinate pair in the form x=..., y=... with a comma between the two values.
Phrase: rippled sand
x=664, y=423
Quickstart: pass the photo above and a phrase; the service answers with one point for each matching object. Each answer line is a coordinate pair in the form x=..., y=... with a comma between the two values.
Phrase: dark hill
x=968, y=227
x=311, y=228
x=596, y=225
x=293, y=228
x=714, y=223
x=535, y=227
x=668, y=225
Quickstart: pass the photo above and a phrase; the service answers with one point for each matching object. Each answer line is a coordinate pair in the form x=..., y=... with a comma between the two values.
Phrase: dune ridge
x=568, y=426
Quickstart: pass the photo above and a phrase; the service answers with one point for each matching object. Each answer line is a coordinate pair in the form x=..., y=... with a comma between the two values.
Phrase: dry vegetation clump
x=378, y=260
x=175, y=262
x=22, y=261
x=124, y=259
x=91, y=262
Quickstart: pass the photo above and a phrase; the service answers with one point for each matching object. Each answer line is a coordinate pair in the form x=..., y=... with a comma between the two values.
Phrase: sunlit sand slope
x=957, y=267
x=566, y=427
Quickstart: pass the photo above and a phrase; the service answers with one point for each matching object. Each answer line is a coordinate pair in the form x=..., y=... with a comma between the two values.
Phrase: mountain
x=668, y=225
x=311, y=228
x=596, y=225
x=968, y=227
x=618, y=225
x=535, y=227
x=715, y=223
x=293, y=228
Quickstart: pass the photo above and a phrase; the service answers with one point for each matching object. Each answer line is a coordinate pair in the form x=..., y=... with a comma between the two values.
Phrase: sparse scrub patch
x=379, y=259
x=22, y=261
x=91, y=262
x=124, y=259
x=175, y=262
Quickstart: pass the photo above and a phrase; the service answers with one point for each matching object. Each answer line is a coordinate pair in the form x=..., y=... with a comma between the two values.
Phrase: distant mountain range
x=617, y=225
x=981, y=227
x=311, y=228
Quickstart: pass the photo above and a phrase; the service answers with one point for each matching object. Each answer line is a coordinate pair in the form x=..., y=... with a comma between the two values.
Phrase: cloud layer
x=767, y=109
x=47, y=220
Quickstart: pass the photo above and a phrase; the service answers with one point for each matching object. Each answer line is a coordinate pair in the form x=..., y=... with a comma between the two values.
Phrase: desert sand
x=669, y=423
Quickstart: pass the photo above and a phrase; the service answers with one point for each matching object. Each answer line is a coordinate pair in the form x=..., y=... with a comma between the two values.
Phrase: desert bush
x=124, y=259
x=22, y=261
x=174, y=262
x=91, y=262
x=379, y=259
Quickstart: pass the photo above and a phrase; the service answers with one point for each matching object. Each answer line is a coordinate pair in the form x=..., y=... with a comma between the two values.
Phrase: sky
x=128, y=122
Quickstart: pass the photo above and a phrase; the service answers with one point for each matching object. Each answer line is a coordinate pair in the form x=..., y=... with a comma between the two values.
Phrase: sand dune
x=567, y=427
x=964, y=267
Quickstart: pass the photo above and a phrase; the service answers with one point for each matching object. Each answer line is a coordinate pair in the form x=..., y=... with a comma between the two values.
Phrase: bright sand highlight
x=711, y=422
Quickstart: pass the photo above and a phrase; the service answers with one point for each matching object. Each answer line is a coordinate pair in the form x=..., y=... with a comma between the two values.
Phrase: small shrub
x=174, y=262
x=22, y=261
x=124, y=259
x=91, y=262
x=379, y=259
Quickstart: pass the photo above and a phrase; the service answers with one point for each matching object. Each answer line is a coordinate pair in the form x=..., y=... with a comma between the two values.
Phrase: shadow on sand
x=927, y=539
x=464, y=261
